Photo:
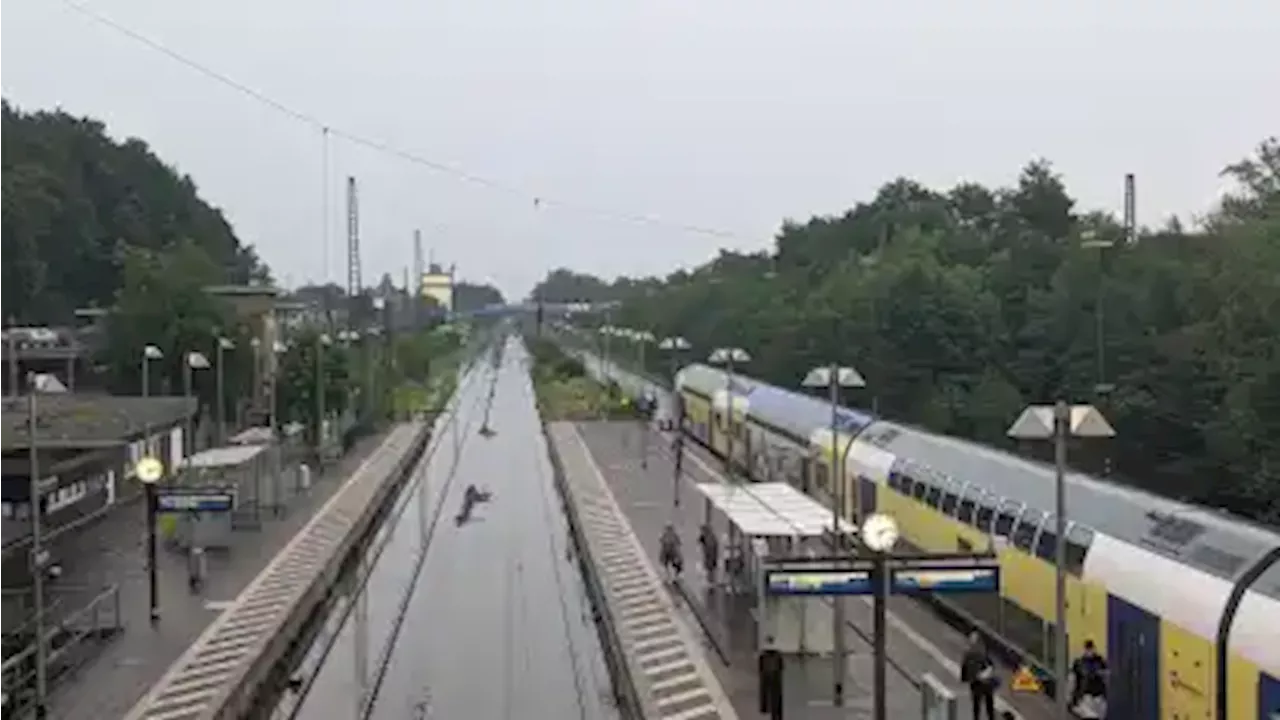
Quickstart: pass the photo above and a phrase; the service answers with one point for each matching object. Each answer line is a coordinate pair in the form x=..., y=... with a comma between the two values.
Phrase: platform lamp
x=879, y=534
x=833, y=377
x=192, y=362
x=1057, y=422
x=149, y=471
x=221, y=346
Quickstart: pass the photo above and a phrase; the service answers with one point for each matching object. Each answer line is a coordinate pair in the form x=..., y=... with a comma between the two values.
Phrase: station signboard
x=182, y=500
x=904, y=579
x=818, y=581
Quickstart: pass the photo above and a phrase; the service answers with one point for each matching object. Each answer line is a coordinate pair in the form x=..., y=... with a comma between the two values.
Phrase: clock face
x=880, y=532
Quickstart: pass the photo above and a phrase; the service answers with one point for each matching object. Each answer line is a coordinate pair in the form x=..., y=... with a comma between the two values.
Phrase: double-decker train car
x=1147, y=577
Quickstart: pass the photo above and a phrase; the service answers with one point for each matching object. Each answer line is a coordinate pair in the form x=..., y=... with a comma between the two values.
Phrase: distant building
x=437, y=284
x=63, y=352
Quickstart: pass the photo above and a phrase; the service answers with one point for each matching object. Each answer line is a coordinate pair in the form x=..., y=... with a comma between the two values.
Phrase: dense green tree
x=75, y=202
x=162, y=303
x=306, y=365
x=962, y=306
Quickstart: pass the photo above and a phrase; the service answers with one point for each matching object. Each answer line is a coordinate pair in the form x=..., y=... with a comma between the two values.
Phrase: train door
x=866, y=498
x=1133, y=649
x=806, y=475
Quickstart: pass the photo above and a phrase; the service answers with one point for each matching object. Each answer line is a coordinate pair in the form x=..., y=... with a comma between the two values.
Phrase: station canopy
x=773, y=509
x=223, y=457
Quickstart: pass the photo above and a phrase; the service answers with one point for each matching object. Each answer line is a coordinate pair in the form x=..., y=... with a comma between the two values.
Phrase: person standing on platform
x=771, y=675
x=979, y=673
x=710, y=553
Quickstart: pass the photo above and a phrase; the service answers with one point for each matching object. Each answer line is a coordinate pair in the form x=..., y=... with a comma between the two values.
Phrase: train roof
x=788, y=410
x=709, y=380
x=1214, y=542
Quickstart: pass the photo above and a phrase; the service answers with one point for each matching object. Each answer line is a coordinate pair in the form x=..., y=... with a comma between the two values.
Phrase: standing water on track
x=485, y=618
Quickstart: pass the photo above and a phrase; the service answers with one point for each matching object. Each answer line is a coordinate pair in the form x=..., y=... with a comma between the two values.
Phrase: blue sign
x=818, y=581
x=956, y=579
x=904, y=580
x=178, y=500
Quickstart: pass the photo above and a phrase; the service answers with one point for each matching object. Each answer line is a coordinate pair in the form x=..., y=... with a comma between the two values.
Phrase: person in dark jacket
x=771, y=680
x=1089, y=683
x=979, y=673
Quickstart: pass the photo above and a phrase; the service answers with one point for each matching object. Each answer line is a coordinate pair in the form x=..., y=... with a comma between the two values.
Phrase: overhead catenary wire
x=537, y=200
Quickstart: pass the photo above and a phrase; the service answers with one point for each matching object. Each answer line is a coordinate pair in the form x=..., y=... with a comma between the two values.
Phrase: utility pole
x=37, y=549
x=11, y=348
x=417, y=280
x=1130, y=210
x=325, y=310
x=353, y=251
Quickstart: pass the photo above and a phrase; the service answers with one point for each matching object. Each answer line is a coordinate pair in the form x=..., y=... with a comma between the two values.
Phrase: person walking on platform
x=710, y=553
x=669, y=552
x=771, y=675
x=979, y=673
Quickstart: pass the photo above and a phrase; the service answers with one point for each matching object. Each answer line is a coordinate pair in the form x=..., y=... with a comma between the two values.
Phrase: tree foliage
x=162, y=302
x=961, y=306
x=306, y=366
x=75, y=203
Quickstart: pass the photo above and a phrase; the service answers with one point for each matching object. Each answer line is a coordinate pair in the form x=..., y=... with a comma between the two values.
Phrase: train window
x=1024, y=533
x=1047, y=542
x=949, y=503
x=1079, y=538
x=984, y=517
x=933, y=496
x=898, y=482
x=1004, y=520
x=918, y=490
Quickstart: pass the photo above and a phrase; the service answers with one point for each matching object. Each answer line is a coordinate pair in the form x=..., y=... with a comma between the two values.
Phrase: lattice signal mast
x=353, y=240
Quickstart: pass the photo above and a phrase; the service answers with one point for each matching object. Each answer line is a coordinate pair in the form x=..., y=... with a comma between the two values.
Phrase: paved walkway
x=918, y=644
x=670, y=674
x=114, y=551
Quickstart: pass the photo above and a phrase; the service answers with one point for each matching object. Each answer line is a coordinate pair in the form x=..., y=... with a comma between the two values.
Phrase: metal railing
x=71, y=641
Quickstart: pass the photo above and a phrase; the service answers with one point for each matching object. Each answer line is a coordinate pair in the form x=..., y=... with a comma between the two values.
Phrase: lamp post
x=149, y=353
x=277, y=349
x=1102, y=389
x=1056, y=422
x=193, y=361
x=879, y=534
x=729, y=357
x=833, y=377
x=673, y=345
x=149, y=470
x=643, y=338
x=322, y=342
x=222, y=345
x=39, y=558
x=255, y=346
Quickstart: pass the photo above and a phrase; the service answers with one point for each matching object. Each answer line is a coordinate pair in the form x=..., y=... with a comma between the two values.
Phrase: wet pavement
x=918, y=642
x=484, y=618
x=112, y=551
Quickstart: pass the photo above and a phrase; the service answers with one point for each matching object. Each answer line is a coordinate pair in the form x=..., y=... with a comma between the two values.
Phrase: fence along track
x=214, y=678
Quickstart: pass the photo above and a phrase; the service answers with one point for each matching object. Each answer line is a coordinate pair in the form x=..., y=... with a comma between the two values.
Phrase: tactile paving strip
x=203, y=677
x=665, y=660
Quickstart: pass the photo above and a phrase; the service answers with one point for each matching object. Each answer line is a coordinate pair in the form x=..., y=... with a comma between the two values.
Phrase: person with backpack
x=979, y=673
x=1089, y=684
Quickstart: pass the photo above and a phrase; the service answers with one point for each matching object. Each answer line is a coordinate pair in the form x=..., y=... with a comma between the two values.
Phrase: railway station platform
x=669, y=673
x=919, y=642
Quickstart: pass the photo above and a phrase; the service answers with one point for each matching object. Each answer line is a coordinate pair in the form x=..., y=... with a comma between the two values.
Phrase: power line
x=536, y=199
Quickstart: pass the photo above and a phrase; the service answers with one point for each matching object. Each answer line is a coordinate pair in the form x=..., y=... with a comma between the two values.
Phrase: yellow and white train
x=1148, y=577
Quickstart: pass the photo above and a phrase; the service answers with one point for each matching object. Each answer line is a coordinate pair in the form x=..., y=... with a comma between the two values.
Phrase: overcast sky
x=717, y=113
